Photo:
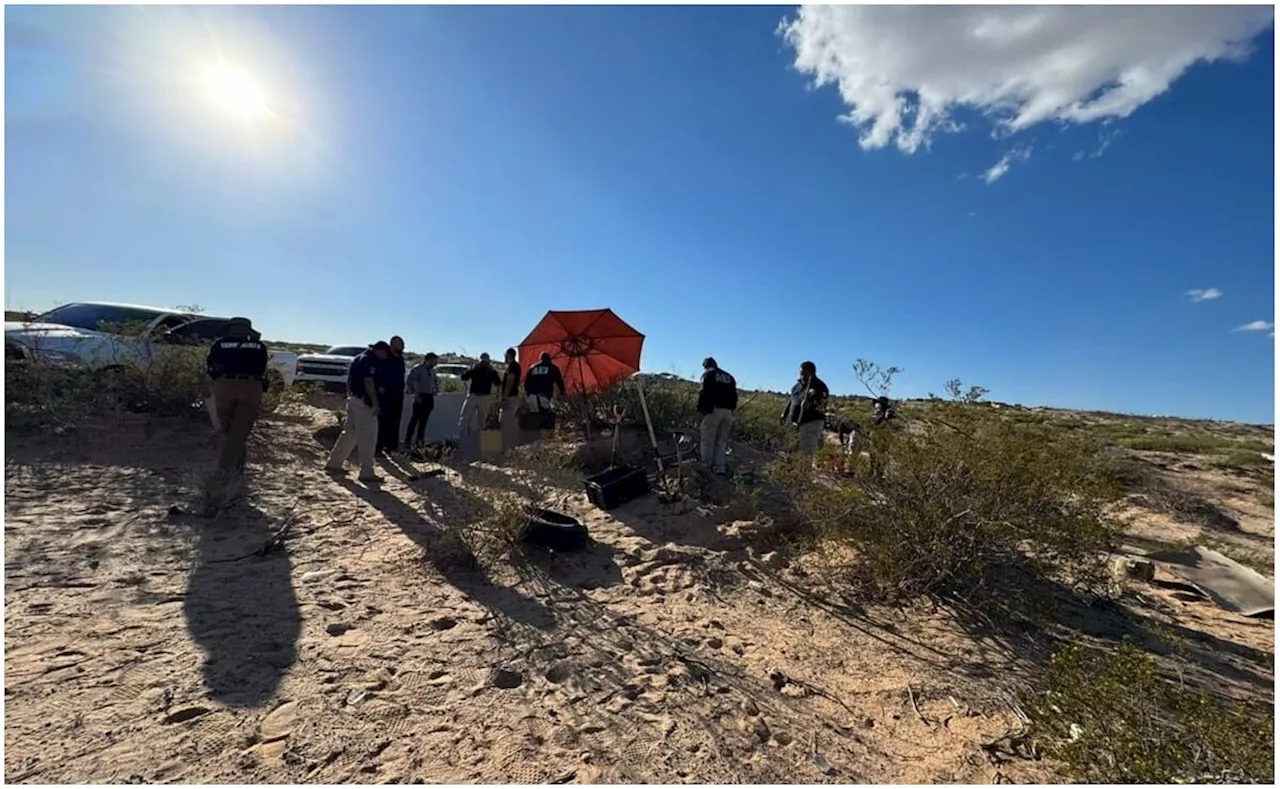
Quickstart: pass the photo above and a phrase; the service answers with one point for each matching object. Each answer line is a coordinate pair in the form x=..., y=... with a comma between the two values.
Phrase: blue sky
x=449, y=174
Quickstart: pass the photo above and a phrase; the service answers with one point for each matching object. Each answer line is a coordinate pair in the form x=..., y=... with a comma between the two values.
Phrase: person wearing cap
x=541, y=384
x=717, y=400
x=390, y=377
x=360, y=431
x=806, y=407
x=237, y=363
x=481, y=379
x=510, y=401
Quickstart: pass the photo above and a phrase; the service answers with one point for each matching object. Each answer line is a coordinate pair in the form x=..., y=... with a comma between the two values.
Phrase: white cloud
x=1020, y=153
x=1256, y=326
x=1104, y=142
x=1207, y=294
x=903, y=71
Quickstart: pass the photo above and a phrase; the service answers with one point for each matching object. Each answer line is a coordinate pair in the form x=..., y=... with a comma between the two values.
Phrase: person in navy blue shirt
x=390, y=380
x=360, y=431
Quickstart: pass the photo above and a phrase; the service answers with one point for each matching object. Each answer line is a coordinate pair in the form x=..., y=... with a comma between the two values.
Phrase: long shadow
x=453, y=508
x=242, y=612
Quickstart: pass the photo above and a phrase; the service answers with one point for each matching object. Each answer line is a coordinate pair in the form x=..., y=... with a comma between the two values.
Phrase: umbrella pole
x=586, y=405
x=644, y=406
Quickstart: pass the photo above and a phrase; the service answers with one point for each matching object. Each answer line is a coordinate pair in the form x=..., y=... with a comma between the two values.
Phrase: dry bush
x=673, y=408
x=962, y=507
x=42, y=395
x=495, y=537
x=1111, y=717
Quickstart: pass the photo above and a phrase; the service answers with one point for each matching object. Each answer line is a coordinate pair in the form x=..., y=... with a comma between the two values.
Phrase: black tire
x=553, y=530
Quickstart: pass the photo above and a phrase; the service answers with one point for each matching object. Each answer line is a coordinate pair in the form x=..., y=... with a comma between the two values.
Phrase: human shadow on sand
x=242, y=611
x=452, y=508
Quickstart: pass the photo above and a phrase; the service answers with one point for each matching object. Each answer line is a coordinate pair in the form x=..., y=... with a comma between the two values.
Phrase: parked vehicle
x=102, y=336
x=329, y=369
x=451, y=370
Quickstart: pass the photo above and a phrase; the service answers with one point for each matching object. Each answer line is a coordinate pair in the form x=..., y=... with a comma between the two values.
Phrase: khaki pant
x=811, y=436
x=715, y=437
x=238, y=403
x=360, y=432
x=510, y=422
x=475, y=413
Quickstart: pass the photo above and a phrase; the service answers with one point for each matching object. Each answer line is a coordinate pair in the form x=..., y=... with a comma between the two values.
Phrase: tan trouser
x=510, y=422
x=238, y=403
x=360, y=432
x=475, y=413
x=811, y=436
x=715, y=437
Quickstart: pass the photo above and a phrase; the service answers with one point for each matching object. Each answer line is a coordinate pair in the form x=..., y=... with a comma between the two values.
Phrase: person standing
x=510, y=401
x=390, y=380
x=717, y=400
x=423, y=385
x=360, y=432
x=806, y=407
x=541, y=384
x=237, y=363
x=481, y=379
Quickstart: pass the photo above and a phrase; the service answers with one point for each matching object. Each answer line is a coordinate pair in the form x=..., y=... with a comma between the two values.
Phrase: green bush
x=1111, y=718
x=962, y=506
x=1189, y=444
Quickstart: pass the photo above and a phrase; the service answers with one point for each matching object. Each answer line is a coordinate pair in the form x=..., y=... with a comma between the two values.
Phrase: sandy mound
x=316, y=632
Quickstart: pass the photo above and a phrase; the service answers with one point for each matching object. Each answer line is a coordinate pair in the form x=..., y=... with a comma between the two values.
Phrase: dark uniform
x=390, y=382
x=237, y=363
x=717, y=400
x=806, y=408
x=542, y=380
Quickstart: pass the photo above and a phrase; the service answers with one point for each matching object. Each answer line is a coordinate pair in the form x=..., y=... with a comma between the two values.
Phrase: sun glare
x=235, y=91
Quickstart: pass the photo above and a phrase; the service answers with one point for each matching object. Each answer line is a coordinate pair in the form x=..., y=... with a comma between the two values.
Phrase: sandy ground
x=141, y=646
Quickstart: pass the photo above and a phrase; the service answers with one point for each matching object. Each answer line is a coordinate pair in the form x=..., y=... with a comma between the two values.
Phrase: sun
x=235, y=90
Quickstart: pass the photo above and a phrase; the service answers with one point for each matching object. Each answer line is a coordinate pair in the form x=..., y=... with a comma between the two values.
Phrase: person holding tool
x=481, y=379
x=360, y=431
x=806, y=408
x=717, y=400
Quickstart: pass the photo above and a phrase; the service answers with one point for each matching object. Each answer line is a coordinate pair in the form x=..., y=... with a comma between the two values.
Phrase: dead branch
x=911, y=695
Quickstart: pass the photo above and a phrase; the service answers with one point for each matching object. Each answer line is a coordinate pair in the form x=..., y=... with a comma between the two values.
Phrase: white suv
x=102, y=336
x=328, y=369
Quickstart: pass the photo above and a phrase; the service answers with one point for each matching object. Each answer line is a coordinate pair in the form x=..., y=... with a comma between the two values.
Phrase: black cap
x=380, y=345
x=708, y=363
x=240, y=326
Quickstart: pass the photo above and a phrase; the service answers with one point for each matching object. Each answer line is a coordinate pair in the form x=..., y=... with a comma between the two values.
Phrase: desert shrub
x=758, y=423
x=43, y=396
x=279, y=396
x=1245, y=462
x=1111, y=717
x=1188, y=444
x=173, y=383
x=673, y=406
x=963, y=506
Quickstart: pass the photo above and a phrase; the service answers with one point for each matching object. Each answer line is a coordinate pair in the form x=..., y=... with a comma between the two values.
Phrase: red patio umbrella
x=594, y=349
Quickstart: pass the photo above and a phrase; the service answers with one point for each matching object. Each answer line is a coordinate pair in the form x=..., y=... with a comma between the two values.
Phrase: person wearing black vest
x=806, y=407
x=717, y=400
x=541, y=384
x=237, y=363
